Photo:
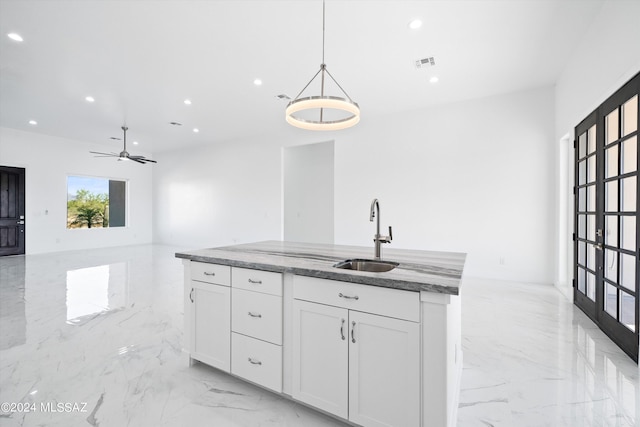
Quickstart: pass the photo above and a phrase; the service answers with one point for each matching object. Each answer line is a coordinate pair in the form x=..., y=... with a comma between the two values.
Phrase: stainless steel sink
x=376, y=266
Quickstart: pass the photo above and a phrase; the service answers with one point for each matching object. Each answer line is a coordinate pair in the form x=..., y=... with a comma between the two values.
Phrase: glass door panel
x=627, y=310
x=611, y=123
x=629, y=155
x=630, y=116
x=628, y=232
x=612, y=161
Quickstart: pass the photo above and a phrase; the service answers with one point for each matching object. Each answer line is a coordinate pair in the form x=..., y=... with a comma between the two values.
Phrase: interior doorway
x=308, y=193
x=12, y=212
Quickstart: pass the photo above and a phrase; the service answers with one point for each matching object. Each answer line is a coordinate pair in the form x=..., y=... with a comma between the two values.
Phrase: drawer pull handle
x=206, y=273
x=254, y=361
x=191, y=295
x=342, y=330
x=255, y=314
x=353, y=329
x=255, y=282
x=341, y=295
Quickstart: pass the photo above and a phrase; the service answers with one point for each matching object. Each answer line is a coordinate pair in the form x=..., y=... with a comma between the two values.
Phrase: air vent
x=283, y=96
x=175, y=123
x=115, y=138
x=425, y=62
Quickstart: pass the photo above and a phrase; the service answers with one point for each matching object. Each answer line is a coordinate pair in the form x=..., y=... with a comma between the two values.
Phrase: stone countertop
x=429, y=271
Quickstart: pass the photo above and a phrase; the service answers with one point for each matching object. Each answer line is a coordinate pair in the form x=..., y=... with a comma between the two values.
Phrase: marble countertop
x=429, y=271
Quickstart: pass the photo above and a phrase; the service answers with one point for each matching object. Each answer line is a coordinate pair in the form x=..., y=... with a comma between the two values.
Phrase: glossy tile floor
x=94, y=338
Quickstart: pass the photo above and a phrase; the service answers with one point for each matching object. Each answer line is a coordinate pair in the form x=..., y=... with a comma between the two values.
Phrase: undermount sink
x=376, y=266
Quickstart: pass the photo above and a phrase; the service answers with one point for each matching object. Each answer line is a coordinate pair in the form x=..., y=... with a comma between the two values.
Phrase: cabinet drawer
x=257, y=315
x=256, y=280
x=370, y=299
x=257, y=361
x=211, y=273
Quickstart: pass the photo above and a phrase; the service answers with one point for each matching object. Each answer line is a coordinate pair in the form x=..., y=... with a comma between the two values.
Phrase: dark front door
x=607, y=235
x=12, y=223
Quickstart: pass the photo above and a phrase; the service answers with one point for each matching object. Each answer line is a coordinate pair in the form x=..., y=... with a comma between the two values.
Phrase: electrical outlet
x=501, y=260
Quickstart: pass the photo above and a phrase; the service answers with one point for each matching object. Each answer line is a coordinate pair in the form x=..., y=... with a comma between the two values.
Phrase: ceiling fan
x=124, y=154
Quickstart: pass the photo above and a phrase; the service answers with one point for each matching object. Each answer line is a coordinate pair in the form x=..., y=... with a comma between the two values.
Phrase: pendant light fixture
x=347, y=110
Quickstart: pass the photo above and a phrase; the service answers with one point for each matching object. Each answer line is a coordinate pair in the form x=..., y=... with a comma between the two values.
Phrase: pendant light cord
x=125, y=128
x=323, y=32
x=323, y=68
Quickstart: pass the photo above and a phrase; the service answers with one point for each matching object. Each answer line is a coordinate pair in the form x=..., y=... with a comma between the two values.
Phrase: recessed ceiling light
x=433, y=79
x=33, y=122
x=187, y=102
x=257, y=82
x=415, y=24
x=15, y=36
x=196, y=130
x=89, y=99
x=135, y=142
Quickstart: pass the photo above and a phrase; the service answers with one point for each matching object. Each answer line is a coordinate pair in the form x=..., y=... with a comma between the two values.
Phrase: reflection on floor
x=100, y=332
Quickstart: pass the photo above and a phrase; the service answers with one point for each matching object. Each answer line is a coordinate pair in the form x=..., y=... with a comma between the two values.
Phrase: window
x=95, y=202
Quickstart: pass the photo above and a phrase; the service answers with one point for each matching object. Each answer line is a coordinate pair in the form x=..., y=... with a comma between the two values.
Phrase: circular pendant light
x=323, y=107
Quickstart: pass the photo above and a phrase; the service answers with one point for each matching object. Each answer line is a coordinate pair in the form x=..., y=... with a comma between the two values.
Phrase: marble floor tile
x=94, y=338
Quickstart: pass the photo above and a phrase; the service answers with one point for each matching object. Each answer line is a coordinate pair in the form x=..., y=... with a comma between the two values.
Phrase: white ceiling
x=141, y=59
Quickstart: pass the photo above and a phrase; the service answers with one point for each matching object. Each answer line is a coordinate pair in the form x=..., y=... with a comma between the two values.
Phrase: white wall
x=308, y=188
x=606, y=58
x=48, y=161
x=215, y=196
x=474, y=177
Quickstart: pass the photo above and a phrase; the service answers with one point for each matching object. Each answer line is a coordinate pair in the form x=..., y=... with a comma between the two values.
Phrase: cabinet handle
x=254, y=361
x=191, y=295
x=255, y=314
x=353, y=328
x=342, y=330
x=341, y=295
x=206, y=273
x=255, y=282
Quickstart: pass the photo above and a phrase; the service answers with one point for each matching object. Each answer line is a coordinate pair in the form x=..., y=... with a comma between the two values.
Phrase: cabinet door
x=384, y=371
x=321, y=356
x=211, y=324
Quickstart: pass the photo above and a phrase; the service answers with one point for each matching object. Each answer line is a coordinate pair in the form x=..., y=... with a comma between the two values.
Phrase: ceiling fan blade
x=136, y=160
x=106, y=154
x=144, y=159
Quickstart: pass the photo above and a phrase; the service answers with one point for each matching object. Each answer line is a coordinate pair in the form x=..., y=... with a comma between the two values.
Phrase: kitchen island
x=371, y=348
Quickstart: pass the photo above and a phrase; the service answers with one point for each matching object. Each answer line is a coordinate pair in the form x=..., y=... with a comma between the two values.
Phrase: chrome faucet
x=378, y=239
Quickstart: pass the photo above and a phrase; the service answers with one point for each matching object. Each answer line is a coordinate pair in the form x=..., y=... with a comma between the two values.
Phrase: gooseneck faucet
x=378, y=239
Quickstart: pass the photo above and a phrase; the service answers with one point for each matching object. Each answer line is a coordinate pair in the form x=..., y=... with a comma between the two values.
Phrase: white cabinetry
x=384, y=371
x=321, y=356
x=360, y=366
x=210, y=315
x=256, y=324
x=372, y=355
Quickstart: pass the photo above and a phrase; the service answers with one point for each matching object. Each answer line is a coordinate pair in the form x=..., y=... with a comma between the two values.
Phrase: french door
x=607, y=234
x=12, y=204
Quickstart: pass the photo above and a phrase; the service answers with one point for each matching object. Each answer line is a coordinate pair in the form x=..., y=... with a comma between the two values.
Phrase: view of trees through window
x=95, y=202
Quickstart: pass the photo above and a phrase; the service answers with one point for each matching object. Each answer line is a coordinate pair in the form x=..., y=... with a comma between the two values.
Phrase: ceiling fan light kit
x=124, y=154
x=323, y=102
